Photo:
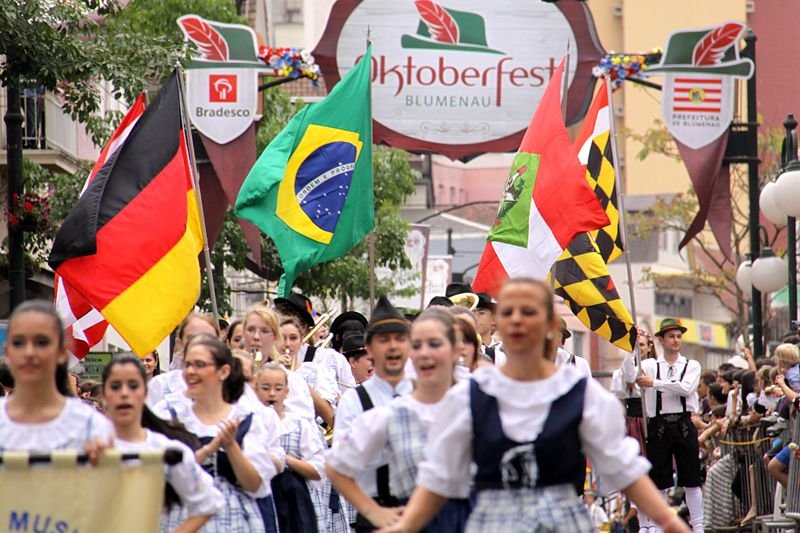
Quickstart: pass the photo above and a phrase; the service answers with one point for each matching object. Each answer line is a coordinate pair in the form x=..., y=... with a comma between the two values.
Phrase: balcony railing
x=45, y=125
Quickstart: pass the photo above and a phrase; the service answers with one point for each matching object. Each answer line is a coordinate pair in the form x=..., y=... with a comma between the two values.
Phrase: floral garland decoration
x=29, y=211
x=290, y=63
x=622, y=66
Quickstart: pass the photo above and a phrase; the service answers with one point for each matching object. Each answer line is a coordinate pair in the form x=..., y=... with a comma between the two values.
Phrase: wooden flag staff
x=187, y=128
x=623, y=229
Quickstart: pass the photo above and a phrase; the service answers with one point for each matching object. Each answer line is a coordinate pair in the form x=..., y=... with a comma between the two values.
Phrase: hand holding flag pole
x=623, y=231
x=196, y=180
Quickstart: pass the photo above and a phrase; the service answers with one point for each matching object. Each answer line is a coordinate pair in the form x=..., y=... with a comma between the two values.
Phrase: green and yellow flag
x=311, y=189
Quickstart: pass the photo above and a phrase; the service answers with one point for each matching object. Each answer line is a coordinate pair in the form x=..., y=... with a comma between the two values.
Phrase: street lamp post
x=790, y=155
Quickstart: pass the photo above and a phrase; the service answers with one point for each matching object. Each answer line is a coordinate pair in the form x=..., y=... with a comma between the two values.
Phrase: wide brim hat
x=344, y=317
x=442, y=301
x=471, y=36
x=353, y=343
x=678, y=57
x=386, y=319
x=485, y=301
x=669, y=324
x=299, y=304
x=457, y=288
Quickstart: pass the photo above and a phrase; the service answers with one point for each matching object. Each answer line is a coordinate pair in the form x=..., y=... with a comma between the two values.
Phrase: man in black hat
x=361, y=363
x=387, y=342
x=564, y=357
x=299, y=306
x=484, y=318
x=669, y=384
x=344, y=323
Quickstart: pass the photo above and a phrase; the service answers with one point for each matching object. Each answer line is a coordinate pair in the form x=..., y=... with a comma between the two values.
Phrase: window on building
x=577, y=344
x=453, y=199
x=673, y=305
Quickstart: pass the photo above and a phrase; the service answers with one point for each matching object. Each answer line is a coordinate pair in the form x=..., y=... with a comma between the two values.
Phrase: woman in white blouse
x=526, y=427
x=397, y=433
x=237, y=442
x=261, y=337
x=138, y=429
x=41, y=415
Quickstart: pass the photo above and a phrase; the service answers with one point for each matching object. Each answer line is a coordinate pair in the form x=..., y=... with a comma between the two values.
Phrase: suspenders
x=310, y=352
x=658, y=393
x=382, y=474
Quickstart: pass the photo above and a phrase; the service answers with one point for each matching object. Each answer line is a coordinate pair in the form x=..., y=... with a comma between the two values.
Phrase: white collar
x=680, y=359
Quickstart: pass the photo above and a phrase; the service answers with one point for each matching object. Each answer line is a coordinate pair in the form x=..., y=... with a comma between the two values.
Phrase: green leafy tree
x=710, y=272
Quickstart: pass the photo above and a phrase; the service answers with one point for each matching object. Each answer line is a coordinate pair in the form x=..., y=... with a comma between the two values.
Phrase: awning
x=704, y=333
x=781, y=298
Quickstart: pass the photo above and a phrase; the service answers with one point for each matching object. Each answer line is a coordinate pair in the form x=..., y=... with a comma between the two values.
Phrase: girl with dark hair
x=191, y=498
x=237, y=440
x=152, y=365
x=42, y=415
x=525, y=427
x=399, y=431
x=234, y=335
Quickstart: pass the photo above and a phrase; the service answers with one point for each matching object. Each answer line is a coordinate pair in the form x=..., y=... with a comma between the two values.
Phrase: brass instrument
x=324, y=319
x=466, y=299
x=325, y=342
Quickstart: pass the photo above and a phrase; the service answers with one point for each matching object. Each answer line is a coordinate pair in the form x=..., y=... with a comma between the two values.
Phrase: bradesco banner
x=461, y=77
x=222, y=80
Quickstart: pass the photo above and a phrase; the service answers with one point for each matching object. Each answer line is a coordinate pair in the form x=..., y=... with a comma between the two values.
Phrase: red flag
x=546, y=202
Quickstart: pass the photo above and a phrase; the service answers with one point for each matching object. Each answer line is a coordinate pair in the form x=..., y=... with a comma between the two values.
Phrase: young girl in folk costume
x=400, y=430
x=629, y=393
x=261, y=337
x=42, y=415
x=321, y=380
x=138, y=429
x=296, y=490
x=239, y=445
x=525, y=426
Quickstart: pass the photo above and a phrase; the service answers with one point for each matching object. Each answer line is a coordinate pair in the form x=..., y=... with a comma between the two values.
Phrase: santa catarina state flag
x=130, y=245
x=545, y=204
x=311, y=188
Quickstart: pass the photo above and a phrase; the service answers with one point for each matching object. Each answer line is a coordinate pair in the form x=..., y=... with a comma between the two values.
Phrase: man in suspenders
x=387, y=342
x=670, y=385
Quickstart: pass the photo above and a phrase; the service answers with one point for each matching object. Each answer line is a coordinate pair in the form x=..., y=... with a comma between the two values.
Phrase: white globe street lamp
x=769, y=272
x=744, y=277
x=768, y=205
x=787, y=190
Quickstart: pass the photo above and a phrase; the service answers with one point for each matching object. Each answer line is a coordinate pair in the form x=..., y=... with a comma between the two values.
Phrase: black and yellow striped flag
x=600, y=175
x=583, y=280
x=581, y=273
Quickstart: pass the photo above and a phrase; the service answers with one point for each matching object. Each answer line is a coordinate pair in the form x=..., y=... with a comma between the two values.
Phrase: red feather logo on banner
x=208, y=40
x=712, y=47
x=441, y=25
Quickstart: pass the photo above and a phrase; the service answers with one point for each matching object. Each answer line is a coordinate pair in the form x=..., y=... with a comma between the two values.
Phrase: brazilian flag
x=311, y=189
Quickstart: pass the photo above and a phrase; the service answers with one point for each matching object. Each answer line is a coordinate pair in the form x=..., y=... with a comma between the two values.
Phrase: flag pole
x=623, y=232
x=187, y=128
x=564, y=90
x=372, y=233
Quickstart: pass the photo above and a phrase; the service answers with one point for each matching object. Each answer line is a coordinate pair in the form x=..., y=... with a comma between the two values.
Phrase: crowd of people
x=469, y=417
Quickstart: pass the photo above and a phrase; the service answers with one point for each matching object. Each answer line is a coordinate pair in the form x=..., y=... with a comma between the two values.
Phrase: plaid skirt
x=634, y=427
x=240, y=514
x=331, y=511
x=554, y=509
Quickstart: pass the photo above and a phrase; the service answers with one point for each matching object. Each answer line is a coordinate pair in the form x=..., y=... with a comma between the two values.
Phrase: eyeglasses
x=198, y=365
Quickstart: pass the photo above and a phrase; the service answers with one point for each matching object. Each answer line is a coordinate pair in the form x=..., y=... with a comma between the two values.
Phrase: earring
x=549, y=335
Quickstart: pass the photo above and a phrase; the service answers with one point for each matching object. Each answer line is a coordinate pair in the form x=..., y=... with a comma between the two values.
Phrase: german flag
x=130, y=245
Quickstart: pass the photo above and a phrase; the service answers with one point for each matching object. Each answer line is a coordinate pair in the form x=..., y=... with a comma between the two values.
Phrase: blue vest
x=554, y=458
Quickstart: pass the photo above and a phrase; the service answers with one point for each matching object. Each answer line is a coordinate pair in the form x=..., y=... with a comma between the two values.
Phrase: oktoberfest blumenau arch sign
x=461, y=77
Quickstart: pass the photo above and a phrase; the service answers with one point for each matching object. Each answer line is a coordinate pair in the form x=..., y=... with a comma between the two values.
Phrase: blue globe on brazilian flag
x=311, y=188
